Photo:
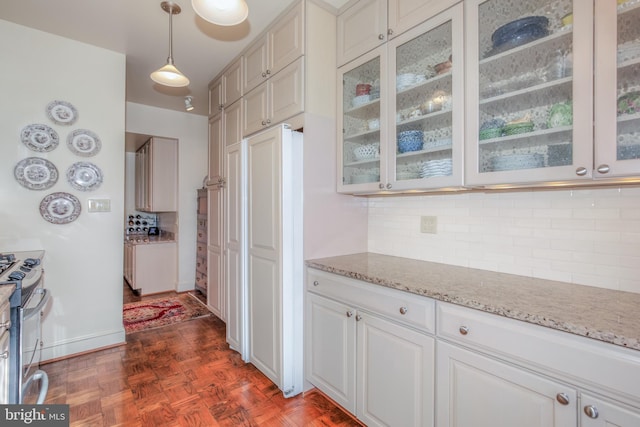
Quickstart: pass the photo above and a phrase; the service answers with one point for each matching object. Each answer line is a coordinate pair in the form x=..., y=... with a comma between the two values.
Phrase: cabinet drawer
x=202, y=235
x=575, y=358
x=412, y=310
x=202, y=224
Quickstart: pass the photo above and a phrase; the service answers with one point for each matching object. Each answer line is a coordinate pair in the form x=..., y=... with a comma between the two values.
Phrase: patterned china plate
x=36, y=173
x=40, y=138
x=60, y=208
x=84, y=176
x=62, y=112
x=84, y=143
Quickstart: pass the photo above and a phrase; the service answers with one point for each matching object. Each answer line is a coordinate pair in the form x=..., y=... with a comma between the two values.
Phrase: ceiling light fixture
x=221, y=12
x=187, y=103
x=169, y=75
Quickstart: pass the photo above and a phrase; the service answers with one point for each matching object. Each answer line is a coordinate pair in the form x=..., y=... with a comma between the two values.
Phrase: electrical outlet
x=429, y=224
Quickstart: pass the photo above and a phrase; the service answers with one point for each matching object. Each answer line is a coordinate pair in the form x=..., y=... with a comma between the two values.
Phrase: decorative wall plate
x=35, y=173
x=84, y=143
x=40, y=138
x=60, y=208
x=62, y=112
x=84, y=176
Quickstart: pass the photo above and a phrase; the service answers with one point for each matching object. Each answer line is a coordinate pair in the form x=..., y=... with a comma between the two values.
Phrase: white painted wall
x=83, y=259
x=191, y=132
x=583, y=236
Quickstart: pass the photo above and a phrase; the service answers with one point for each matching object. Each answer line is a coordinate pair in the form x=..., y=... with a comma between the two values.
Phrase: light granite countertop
x=5, y=292
x=602, y=314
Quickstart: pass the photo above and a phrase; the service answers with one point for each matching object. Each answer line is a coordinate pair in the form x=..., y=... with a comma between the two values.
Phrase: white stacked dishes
x=442, y=167
x=360, y=100
x=404, y=81
x=517, y=161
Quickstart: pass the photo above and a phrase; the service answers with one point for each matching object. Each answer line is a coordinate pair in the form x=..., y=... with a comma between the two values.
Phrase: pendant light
x=169, y=75
x=221, y=12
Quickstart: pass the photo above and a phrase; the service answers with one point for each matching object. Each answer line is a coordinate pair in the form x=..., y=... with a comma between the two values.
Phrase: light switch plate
x=99, y=205
x=429, y=224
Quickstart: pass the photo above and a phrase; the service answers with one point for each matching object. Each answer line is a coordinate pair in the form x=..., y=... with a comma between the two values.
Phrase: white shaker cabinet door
x=474, y=390
x=331, y=349
x=596, y=412
x=395, y=374
x=361, y=28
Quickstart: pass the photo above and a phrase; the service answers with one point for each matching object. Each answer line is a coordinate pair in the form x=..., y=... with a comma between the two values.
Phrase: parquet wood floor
x=181, y=375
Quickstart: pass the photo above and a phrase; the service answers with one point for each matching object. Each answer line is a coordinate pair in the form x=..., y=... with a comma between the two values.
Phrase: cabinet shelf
x=542, y=94
x=422, y=152
x=437, y=119
x=425, y=89
x=366, y=110
x=364, y=136
x=629, y=63
x=538, y=137
x=367, y=162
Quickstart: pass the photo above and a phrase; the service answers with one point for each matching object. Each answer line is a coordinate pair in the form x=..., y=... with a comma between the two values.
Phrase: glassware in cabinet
x=617, y=101
x=425, y=143
x=522, y=92
x=360, y=126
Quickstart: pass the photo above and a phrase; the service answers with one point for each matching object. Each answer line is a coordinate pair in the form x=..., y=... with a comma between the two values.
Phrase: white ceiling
x=140, y=29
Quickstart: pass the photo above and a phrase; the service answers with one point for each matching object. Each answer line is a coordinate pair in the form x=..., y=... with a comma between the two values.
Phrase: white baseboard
x=84, y=344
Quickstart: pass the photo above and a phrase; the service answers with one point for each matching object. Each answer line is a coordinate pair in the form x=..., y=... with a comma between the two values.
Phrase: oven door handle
x=29, y=313
x=44, y=385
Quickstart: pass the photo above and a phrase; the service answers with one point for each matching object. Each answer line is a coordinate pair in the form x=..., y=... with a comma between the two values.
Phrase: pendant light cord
x=170, y=58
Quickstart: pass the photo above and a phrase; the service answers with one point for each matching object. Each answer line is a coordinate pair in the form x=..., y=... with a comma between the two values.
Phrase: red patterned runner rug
x=155, y=313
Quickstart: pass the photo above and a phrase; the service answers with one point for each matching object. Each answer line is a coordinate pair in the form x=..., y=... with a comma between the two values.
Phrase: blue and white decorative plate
x=60, y=208
x=36, y=173
x=84, y=143
x=62, y=113
x=84, y=176
x=39, y=137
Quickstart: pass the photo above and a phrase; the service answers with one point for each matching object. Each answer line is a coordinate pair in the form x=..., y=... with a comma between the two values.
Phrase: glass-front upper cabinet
x=617, y=88
x=402, y=119
x=425, y=122
x=529, y=91
x=361, y=150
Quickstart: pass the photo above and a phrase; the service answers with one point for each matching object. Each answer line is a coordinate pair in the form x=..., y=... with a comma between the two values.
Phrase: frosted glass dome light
x=221, y=12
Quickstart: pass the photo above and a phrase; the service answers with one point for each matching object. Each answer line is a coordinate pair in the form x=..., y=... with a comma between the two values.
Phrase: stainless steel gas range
x=27, y=382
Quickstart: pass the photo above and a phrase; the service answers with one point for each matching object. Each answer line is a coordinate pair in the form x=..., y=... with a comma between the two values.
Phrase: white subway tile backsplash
x=584, y=236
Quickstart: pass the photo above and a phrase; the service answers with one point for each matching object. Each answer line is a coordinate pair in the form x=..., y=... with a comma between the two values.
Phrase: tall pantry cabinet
x=258, y=264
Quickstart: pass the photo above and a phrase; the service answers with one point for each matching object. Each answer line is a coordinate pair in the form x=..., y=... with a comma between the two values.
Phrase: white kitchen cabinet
x=216, y=145
x=492, y=364
x=617, y=75
x=152, y=267
x=279, y=98
x=233, y=124
x=156, y=183
x=234, y=248
x=274, y=265
x=370, y=23
x=216, y=96
x=398, y=124
x=474, y=390
x=214, y=239
x=233, y=82
x=280, y=46
x=597, y=412
x=361, y=352
x=331, y=349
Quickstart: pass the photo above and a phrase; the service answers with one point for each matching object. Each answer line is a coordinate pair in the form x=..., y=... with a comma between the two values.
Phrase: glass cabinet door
x=361, y=152
x=530, y=91
x=426, y=120
x=617, y=100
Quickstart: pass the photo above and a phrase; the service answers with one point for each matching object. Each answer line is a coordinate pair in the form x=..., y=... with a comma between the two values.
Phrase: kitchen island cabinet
x=509, y=350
